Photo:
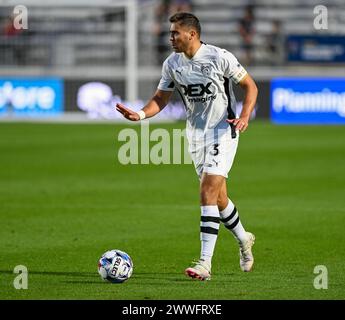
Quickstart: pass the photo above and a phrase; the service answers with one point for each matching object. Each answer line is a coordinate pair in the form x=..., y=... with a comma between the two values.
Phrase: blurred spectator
x=275, y=43
x=161, y=16
x=15, y=50
x=180, y=6
x=246, y=29
x=9, y=30
x=164, y=10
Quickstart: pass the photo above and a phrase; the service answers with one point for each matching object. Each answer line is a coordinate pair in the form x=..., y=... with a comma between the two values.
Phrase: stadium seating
x=74, y=36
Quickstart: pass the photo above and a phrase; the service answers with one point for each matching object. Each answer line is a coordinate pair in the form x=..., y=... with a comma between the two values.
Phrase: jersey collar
x=197, y=54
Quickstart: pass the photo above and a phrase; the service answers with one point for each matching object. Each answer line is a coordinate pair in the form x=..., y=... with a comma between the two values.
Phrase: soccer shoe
x=246, y=255
x=201, y=270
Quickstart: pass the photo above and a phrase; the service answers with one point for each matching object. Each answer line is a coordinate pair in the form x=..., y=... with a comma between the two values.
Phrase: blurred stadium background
x=65, y=198
x=109, y=50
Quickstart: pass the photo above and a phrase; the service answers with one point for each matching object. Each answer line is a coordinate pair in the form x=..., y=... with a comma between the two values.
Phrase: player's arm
x=156, y=104
x=250, y=95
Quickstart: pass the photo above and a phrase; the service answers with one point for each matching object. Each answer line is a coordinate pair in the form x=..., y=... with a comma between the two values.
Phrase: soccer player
x=203, y=76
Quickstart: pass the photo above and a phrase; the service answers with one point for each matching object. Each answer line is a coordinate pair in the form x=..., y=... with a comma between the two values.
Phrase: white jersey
x=204, y=85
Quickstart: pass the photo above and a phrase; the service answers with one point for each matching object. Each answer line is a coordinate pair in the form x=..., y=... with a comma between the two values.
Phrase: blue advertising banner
x=31, y=96
x=308, y=100
x=315, y=48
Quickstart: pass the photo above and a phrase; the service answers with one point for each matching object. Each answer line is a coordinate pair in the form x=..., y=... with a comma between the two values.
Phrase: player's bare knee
x=210, y=188
x=209, y=194
x=208, y=199
x=222, y=201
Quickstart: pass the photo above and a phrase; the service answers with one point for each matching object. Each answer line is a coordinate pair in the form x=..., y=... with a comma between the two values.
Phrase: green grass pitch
x=65, y=199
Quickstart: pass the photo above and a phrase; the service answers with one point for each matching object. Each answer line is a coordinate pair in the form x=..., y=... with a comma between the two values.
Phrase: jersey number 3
x=215, y=150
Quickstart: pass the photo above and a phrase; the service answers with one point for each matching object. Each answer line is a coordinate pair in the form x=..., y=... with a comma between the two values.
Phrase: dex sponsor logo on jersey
x=197, y=92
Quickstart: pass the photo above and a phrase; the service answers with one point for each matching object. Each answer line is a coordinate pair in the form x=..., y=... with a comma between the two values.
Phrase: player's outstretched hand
x=127, y=113
x=240, y=124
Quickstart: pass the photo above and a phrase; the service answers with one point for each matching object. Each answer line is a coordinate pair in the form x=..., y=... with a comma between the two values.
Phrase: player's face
x=180, y=37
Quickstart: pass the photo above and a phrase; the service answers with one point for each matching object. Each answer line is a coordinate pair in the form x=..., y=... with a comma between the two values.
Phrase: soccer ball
x=115, y=266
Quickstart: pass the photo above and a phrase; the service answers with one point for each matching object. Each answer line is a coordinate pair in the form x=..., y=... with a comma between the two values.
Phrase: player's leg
x=229, y=216
x=210, y=186
x=209, y=225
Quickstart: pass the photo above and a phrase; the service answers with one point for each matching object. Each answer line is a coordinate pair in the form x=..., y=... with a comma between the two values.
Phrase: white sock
x=231, y=220
x=209, y=226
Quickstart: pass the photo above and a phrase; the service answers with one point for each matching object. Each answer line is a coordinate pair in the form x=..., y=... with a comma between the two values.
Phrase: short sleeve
x=232, y=68
x=166, y=83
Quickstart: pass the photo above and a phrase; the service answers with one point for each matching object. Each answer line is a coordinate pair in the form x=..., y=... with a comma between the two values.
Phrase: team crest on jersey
x=206, y=69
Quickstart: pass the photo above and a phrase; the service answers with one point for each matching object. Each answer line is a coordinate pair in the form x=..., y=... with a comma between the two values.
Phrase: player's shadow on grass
x=173, y=277
x=162, y=276
x=157, y=278
x=54, y=273
x=180, y=277
x=76, y=275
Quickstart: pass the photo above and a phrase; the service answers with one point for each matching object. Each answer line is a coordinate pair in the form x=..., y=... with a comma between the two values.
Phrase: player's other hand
x=127, y=113
x=240, y=123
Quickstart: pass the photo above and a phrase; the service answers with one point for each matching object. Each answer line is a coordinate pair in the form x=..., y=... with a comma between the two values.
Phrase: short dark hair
x=186, y=19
